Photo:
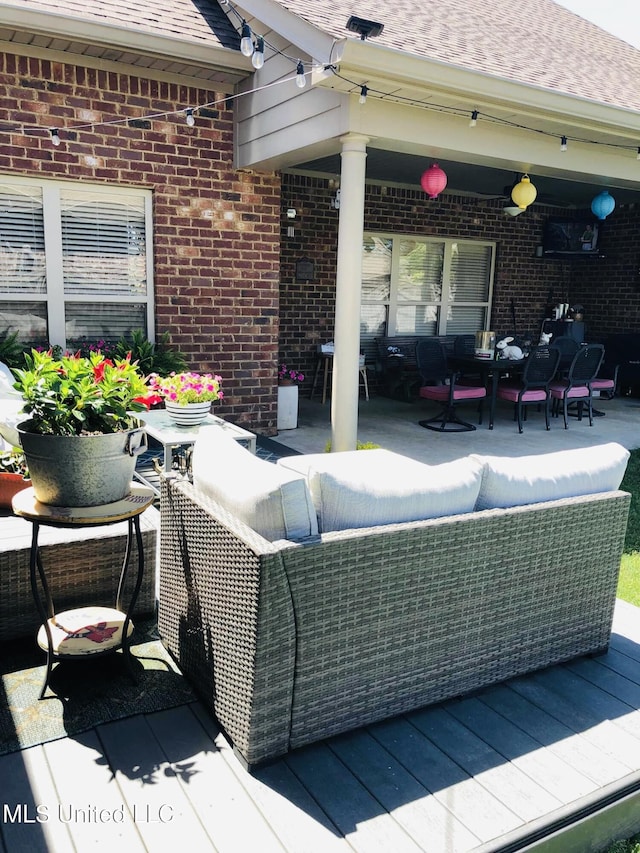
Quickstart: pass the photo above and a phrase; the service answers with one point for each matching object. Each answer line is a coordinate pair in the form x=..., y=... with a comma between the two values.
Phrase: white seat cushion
x=363, y=488
x=272, y=501
x=523, y=480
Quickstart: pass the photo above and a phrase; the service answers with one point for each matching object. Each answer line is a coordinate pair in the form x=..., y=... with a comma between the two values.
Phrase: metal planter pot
x=82, y=470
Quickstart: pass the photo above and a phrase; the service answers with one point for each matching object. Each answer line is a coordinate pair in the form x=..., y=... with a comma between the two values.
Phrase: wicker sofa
x=289, y=642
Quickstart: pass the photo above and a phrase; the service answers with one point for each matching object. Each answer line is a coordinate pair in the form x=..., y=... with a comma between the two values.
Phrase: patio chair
x=540, y=369
x=577, y=386
x=567, y=347
x=439, y=383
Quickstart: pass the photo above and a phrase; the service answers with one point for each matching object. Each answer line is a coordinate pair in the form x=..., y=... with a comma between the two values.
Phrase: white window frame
x=55, y=298
x=445, y=301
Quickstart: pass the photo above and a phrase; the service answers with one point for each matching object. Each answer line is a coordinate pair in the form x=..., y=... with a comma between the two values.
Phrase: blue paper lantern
x=603, y=205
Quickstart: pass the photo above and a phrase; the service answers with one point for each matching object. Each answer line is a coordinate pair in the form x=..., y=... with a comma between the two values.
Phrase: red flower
x=149, y=400
x=98, y=370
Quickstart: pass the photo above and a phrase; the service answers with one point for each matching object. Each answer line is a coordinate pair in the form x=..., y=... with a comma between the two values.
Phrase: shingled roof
x=201, y=21
x=535, y=42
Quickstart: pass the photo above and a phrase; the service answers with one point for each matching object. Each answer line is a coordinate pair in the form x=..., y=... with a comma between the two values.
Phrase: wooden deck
x=557, y=751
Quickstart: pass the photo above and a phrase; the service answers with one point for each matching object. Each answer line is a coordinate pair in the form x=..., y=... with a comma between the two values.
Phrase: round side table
x=92, y=630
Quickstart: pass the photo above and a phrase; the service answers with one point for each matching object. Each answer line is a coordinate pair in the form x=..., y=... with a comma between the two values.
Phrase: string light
x=257, y=60
x=246, y=40
x=301, y=80
x=363, y=95
x=55, y=136
x=190, y=119
x=563, y=143
x=474, y=119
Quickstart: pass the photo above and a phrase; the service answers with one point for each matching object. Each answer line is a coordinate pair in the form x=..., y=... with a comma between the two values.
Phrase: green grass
x=631, y=845
x=629, y=584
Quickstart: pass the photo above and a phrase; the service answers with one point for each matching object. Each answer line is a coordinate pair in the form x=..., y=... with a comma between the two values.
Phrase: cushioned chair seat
x=513, y=394
x=559, y=389
x=462, y=392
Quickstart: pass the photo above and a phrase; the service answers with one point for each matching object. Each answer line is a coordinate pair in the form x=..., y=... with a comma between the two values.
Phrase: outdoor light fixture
x=246, y=41
x=55, y=136
x=433, y=180
x=365, y=29
x=301, y=80
x=474, y=119
x=257, y=60
x=363, y=95
x=563, y=143
x=603, y=204
x=190, y=119
x=524, y=193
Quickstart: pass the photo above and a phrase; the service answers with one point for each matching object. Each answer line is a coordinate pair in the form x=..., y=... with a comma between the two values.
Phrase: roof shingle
x=202, y=21
x=535, y=42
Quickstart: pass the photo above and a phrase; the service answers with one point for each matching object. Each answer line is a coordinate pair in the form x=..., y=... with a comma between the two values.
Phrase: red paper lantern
x=433, y=181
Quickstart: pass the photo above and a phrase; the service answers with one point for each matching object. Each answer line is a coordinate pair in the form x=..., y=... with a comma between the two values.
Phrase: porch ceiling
x=391, y=167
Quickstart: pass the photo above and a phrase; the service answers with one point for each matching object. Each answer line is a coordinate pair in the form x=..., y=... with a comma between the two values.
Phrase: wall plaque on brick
x=305, y=269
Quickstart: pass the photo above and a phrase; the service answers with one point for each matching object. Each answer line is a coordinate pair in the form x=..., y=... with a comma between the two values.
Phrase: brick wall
x=216, y=233
x=609, y=288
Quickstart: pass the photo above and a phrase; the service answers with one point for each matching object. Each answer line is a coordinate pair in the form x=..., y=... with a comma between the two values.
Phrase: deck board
x=463, y=776
x=231, y=818
x=90, y=800
x=162, y=812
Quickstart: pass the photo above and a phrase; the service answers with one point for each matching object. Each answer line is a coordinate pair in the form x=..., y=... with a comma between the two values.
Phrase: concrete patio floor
x=393, y=424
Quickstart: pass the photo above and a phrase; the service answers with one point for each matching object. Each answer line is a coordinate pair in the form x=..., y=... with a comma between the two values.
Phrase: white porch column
x=345, y=388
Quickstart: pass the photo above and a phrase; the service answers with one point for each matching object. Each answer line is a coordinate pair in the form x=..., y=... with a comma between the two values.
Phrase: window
x=75, y=262
x=420, y=286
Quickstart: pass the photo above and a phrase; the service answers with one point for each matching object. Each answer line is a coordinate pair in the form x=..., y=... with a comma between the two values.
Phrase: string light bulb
x=301, y=80
x=55, y=136
x=563, y=143
x=190, y=119
x=474, y=119
x=363, y=95
x=257, y=60
x=246, y=40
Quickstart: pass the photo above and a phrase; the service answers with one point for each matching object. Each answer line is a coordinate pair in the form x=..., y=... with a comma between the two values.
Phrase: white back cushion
x=550, y=476
x=363, y=488
x=272, y=501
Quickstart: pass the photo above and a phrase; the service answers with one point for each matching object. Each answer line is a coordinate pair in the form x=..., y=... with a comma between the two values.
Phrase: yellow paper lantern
x=524, y=193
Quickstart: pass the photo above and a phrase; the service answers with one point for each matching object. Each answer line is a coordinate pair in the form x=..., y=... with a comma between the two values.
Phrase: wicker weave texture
x=292, y=644
x=226, y=615
x=82, y=566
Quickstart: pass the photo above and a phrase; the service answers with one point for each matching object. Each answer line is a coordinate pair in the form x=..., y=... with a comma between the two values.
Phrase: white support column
x=345, y=387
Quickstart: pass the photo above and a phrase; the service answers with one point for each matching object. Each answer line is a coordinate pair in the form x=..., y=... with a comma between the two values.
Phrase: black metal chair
x=539, y=371
x=439, y=383
x=567, y=347
x=577, y=386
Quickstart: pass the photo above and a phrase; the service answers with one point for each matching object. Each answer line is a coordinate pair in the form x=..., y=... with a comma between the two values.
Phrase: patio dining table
x=491, y=370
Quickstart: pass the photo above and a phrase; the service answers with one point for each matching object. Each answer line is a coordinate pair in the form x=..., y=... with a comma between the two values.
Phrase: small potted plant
x=187, y=396
x=14, y=474
x=82, y=434
x=289, y=376
x=288, y=380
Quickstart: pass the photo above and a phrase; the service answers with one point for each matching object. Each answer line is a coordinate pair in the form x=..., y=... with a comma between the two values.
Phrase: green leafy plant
x=13, y=461
x=360, y=445
x=77, y=395
x=11, y=350
x=157, y=358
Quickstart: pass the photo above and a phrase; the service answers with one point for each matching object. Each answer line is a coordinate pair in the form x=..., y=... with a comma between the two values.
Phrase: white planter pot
x=189, y=414
x=287, y=406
